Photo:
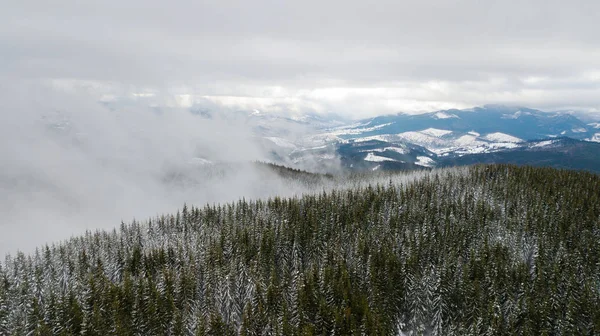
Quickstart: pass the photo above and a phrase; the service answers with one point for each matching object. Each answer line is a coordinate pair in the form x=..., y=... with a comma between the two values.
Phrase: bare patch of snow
x=422, y=139
x=515, y=115
x=310, y=149
x=435, y=132
x=425, y=161
x=502, y=145
x=501, y=137
x=374, y=137
x=396, y=149
x=345, y=127
x=595, y=138
x=543, y=143
x=594, y=125
x=444, y=115
x=393, y=149
x=376, y=158
x=320, y=139
x=356, y=131
x=468, y=140
x=281, y=142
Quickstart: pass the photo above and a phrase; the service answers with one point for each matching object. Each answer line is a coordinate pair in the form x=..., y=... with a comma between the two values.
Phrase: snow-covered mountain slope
x=544, y=143
x=443, y=141
x=404, y=141
x=425, y=161
x=519, y=122
x=282, y=142
x=501, y=137
x=424, y=140
x=595, y=138
x=436, y=132
x=562, y=153
x=445, y=115
x=377, y=158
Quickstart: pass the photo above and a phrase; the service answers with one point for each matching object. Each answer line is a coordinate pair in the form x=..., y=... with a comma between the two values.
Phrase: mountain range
x=488, y=134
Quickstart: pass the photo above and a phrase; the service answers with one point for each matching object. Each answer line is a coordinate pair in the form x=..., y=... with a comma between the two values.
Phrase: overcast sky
x=355, y=57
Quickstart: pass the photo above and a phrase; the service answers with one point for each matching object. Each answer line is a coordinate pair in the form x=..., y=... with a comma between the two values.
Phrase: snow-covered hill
x=403, y=141
x=411, y=141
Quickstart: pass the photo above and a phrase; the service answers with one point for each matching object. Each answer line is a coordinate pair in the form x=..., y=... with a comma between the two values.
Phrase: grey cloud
x=354, y=41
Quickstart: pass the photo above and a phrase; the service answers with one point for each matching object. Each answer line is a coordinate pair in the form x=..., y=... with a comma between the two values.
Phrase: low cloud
x=71, y=163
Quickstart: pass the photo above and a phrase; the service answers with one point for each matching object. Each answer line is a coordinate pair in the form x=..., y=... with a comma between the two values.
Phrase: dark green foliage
x=496, y=250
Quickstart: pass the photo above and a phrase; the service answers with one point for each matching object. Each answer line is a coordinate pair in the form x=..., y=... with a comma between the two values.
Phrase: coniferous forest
x=484, y=250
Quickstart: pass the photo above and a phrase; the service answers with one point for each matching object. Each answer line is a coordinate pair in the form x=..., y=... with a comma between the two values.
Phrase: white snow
x=320, y=139
x=594, y=125
x=435, y=132
x=321, y=157
x=424, y=161
x=444, y=115
x=374, y=137
x=472, y=150
x=485, y=148
x=468, y=140
x=346, y=127
x=501, y=145
x=394, y=149
x=281, y=142
x=579, y=130
x=375, y=158
x=515, y=115
x=358, y=130
x=313, y=148
x=317, y=148
x=423, y=139
x=595, y=138
x=544, y=143
x=466, y=144
x=501, y=137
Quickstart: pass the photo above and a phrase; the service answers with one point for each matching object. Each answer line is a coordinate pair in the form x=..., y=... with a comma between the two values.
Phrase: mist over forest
x=71, y=163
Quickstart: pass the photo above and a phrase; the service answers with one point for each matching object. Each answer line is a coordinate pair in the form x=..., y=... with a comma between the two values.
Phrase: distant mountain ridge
x=490, y=134
x=487, y=134
x=521, y=122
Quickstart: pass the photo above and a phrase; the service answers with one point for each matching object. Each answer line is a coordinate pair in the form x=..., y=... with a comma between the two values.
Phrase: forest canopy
x=494, y=250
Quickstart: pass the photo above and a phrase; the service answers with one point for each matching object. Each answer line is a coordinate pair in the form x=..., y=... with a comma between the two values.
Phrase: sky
x=95, y=96
x=354, y=58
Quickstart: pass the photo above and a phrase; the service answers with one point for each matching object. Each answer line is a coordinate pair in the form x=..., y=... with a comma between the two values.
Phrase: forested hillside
x=484, y=250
